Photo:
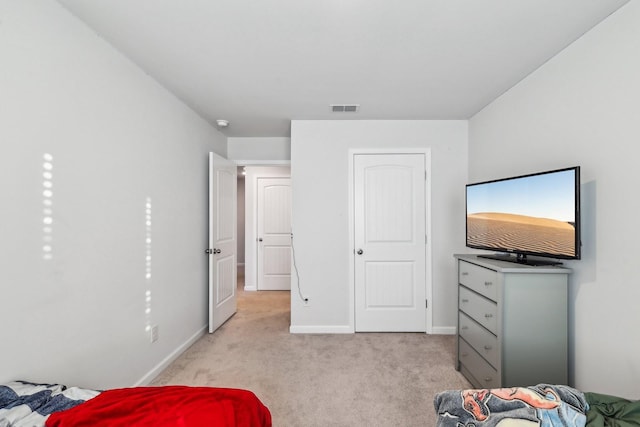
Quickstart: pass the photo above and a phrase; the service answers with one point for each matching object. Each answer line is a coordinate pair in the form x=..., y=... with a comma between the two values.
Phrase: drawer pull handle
x=465, y=301
x=487, y=379
x=464, y=354
x=465, y=273
x=488, y=316
x=487, y=347
x=488, y=283
x=464, y=328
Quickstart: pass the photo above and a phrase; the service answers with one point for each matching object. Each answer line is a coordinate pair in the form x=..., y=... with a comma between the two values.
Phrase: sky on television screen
x=540, y=196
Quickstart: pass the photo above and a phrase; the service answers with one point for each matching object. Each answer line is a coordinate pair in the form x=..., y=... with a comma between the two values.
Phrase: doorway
x=248, y=181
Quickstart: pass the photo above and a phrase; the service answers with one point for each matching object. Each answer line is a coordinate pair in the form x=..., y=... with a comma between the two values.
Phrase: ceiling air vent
x=345, y=108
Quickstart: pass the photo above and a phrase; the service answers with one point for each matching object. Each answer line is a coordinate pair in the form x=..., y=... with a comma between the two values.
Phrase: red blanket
x=167, y=406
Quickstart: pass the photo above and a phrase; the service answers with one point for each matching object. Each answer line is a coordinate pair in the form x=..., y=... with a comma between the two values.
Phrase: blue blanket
x=28, y=404
x=542, y=405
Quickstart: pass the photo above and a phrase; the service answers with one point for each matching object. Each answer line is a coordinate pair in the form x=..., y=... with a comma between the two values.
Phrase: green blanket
x=611, y=411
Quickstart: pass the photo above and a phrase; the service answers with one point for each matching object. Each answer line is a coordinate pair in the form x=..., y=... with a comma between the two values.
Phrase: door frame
x=255, y=170
x=351, y=212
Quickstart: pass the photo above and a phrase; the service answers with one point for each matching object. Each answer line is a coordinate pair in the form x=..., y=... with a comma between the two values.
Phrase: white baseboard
x=440, y=330
x=321, y=330
x=443, y=330
x=250, y=288
x=149, y=376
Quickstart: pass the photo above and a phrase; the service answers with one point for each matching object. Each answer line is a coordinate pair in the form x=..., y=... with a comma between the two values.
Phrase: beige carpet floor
x=363, y=379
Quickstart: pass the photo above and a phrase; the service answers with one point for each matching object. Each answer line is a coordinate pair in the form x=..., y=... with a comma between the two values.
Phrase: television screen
x=537, y=214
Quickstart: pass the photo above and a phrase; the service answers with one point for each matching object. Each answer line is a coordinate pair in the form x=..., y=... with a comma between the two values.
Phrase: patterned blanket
x=24, y=404
x=542, y=405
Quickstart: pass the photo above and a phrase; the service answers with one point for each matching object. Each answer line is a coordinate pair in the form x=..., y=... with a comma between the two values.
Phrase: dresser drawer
x=479, y=279
x=484, y=342
x=484, y=374
x=479, y=308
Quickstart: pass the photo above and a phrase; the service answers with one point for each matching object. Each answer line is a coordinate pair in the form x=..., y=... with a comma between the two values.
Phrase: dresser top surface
x=511, y=267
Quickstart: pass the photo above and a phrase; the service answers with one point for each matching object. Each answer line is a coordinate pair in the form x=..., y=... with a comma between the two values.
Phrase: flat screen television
x=536, y=214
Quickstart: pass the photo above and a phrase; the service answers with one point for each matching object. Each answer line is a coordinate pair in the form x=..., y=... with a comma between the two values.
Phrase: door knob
x=208, y=251
x=260, y=239
x=360, y=252
x=217, y=251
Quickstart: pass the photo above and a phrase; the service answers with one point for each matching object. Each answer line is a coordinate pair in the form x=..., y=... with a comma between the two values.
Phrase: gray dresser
x=512, y=323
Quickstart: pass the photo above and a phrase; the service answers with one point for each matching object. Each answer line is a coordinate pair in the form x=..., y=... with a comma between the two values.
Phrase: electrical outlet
x=154, y=333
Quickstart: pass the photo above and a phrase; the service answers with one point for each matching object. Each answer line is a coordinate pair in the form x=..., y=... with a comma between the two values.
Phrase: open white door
x=274, y=234
x=222, y=240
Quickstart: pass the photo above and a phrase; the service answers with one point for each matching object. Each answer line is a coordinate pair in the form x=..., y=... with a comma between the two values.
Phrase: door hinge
x=426, y=240
x=426, y=303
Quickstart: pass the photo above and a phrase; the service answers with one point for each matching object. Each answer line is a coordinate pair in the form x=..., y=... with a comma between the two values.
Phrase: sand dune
x=507, y=231
x=522, y=219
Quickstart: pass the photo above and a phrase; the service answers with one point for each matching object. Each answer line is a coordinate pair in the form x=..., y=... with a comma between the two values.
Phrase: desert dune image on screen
x=530, y=214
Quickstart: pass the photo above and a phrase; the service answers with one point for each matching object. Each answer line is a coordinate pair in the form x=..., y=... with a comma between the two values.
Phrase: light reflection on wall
x=47, y=211
x=147, y=276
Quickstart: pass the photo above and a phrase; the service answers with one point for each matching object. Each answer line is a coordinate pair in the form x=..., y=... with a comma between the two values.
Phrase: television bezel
x=521, y=255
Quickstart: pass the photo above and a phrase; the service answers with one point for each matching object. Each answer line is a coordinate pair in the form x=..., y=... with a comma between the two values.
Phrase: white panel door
x=274, y=234
x=222, y=240
x=390, y=242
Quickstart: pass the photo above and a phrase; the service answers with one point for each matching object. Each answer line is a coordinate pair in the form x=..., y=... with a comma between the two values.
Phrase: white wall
x=319, y=175
x=582, y=108
x=117, y=139
x=256, y=150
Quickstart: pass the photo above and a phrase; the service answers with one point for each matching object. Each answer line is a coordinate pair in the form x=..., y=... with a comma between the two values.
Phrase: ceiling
x=261, y=63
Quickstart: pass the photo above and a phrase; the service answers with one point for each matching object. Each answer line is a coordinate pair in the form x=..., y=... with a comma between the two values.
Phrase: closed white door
x=390, y=242
x=274, y=234
x=222, y=240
